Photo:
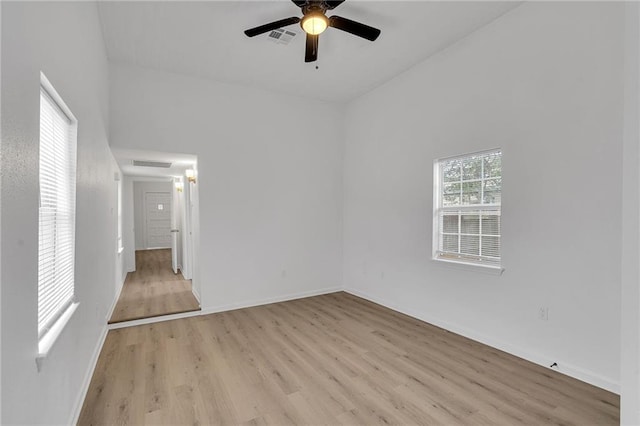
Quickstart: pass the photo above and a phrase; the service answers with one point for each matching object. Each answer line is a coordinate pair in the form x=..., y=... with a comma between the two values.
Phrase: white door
x=158, y=219
x=175, y=229
x=174, y=250
x=186, y=233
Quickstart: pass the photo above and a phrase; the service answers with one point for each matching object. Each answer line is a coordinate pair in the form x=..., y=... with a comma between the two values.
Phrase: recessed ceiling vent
x=151, y=164
x=281, y=36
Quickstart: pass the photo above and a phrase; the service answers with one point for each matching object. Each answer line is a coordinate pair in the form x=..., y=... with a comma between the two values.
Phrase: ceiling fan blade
x=332, y=4
x=353, y=27
x=299, y=3
x=311, y=52
x=271, y=26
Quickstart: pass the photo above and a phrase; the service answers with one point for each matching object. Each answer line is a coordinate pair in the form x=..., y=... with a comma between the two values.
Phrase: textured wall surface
x=63, y=41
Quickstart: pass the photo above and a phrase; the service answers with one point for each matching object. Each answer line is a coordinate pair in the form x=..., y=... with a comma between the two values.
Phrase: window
x=56, y=228
x=467, y=198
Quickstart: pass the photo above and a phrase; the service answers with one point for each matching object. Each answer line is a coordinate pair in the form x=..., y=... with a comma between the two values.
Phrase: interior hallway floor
x=153, y=289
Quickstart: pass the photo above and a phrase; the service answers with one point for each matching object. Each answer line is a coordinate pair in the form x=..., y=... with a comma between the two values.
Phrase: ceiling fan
x=314, y=21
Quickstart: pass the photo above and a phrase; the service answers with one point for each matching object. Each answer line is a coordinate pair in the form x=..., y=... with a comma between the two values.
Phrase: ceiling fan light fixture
x=314, y=23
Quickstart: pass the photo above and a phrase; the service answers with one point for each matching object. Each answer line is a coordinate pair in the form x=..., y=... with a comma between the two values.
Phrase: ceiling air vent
x=281, y=36
x=151, y=164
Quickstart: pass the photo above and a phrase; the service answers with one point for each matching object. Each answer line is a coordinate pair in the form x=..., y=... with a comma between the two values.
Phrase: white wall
x=139, y=189
x=269, y=179
x=64, y=41
x=630, y=319
x=544, y=82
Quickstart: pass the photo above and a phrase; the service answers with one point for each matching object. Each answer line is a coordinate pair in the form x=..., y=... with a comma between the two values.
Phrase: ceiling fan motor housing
x=318, y=7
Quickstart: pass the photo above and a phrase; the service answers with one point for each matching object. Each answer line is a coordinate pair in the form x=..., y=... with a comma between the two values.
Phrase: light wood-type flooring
x=153, y=289
x=331, y=359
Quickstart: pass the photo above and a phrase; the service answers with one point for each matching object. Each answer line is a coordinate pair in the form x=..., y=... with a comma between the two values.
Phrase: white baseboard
x=222, y=308
x=152, y=320
x=115, y=302
x=195, y=293
x=564, y=367
x=277, y=299
x=84, y=388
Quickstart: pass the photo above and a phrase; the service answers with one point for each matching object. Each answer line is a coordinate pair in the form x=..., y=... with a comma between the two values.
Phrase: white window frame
x=473, y=262
x=56, y=290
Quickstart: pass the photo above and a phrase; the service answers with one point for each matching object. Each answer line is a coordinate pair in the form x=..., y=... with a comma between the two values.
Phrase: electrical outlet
x=543, y=313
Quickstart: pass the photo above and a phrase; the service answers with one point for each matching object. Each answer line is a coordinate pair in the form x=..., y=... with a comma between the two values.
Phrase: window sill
x=47, y=341
x=465, y=266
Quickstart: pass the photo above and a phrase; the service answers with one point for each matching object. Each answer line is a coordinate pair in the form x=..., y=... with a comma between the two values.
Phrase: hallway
x=153, y=289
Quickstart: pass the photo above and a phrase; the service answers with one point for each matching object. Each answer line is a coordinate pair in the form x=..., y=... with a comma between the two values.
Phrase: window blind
x=472, y=235
x=56, y=228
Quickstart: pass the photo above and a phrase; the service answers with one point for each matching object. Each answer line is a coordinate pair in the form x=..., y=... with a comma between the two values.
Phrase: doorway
x=159, y=222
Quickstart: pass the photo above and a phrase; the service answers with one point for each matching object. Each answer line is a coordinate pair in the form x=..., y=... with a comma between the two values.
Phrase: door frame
x=189, y=210
x=187, y=235
x=177, y=211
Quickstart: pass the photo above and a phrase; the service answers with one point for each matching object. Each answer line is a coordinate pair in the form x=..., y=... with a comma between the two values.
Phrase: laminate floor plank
x=330, y=359
x=153, y=289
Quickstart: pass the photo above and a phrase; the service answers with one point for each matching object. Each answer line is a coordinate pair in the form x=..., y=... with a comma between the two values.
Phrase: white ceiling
x=206, y=39
x=179, y=162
